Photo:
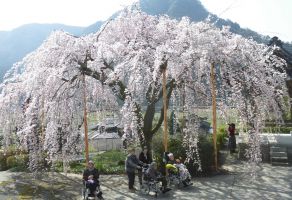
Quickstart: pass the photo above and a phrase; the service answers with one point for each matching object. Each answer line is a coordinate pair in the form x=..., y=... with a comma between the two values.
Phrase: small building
x=106, y=141
x=106, y=136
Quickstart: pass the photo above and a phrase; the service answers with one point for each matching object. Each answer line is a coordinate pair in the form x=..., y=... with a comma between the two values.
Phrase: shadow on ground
x=41, y=186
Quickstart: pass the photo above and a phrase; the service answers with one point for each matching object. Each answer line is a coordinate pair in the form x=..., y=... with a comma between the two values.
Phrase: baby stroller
x=87, y=195
x=148, y=183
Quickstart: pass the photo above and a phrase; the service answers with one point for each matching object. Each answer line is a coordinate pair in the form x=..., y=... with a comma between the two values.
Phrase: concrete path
x=272, y=182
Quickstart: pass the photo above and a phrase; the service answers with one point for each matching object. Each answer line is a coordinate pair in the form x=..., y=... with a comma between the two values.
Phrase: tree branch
x=158, y=125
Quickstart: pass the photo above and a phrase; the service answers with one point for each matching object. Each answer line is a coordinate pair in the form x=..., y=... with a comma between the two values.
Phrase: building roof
x=97, y=135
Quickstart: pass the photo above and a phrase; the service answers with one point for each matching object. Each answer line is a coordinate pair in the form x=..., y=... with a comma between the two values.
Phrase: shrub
x=221, y=137
x=176, y=147
x=121, y=162
x=17, y=161
x=206, y=151
x=21, y=162
x=3, y=165
x=11, y=161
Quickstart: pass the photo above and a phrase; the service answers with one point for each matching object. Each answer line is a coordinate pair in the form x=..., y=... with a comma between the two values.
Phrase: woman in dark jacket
x=232, y=139
x=145, y=156
x=90, y=177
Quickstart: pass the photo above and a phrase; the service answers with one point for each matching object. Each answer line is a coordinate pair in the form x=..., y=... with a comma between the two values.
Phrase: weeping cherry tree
x=124, y=63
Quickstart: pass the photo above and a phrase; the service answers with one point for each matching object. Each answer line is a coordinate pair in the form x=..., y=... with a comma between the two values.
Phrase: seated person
x=183, y=171
x=171, y=168
x=170, y=158
x=90, y=177
x=153, y=174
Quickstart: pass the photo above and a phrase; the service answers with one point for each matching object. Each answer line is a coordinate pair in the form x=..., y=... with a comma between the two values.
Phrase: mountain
x=15, y=44
x=196, y=12
x=175, y=8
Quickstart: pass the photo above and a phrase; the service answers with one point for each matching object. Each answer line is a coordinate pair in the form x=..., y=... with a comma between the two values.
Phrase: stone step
x=280, y=163
x=278, y=154
x=279, y=158
x=278, y=149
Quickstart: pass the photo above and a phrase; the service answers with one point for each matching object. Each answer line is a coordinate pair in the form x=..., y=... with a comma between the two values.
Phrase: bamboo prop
x=165, y=134
x=85, y=121
x=213, y=89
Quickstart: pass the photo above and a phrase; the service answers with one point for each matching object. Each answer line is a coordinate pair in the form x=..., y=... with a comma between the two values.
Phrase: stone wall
x=268, y=140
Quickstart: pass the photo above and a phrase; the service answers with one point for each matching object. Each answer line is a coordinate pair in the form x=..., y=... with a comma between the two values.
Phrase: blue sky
x=268, y=17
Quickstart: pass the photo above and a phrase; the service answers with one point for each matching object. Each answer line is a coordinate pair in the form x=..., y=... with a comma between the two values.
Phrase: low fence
x=106, y=144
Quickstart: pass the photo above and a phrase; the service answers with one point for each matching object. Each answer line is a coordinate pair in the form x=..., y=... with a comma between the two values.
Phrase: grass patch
x=110, y=162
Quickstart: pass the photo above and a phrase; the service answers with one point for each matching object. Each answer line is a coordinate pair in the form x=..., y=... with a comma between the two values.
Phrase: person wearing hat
x=91, y=176
x=131, y=164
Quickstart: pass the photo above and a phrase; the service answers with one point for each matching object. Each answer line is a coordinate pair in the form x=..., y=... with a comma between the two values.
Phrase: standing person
x=131, y=165
x=145, y=158
x=232, y=139
x=90, y=177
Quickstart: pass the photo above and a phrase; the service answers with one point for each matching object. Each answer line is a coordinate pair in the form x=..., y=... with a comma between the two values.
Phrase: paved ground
x=272, y=182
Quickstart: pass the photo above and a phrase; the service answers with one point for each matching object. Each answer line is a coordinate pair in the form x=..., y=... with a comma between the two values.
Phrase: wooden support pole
x=85, y=121
x=165, y=134
x=43, y=120
x=213, y=89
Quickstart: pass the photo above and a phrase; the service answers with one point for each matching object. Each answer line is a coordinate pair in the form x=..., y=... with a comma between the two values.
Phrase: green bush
x=3, y=165
x=121, y=162
x=11, y=161
x=11, y=151
x=221, y=137
x=206, y=151
x=176, y=147
x=19, y=162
